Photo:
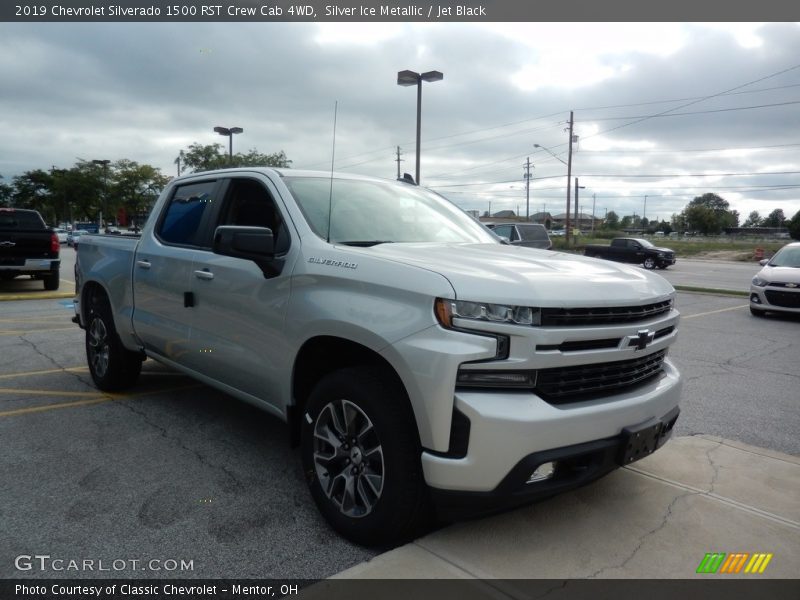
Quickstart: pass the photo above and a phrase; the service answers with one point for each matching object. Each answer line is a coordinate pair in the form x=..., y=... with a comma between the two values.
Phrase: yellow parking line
x=711, y=312
x=105, y=398
x=45, y=372
x=26, y=392
x=67, y=316
x=24, y=331
x=34, y=409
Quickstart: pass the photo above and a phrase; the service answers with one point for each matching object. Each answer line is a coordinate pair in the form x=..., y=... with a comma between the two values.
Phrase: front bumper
x=506, y=427
x=577, y=465
x=775, y=299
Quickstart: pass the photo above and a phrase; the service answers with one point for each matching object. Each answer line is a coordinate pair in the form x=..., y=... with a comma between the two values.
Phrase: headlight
x=447, y=310
x=661, y=255
x=758, y=282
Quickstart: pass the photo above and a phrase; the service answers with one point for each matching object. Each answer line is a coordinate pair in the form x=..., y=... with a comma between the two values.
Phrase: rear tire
x=361, y=455
x=111, y=365
x=52, y=280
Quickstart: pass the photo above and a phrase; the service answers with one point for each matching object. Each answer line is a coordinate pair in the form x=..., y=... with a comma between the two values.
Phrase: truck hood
x=529, y=277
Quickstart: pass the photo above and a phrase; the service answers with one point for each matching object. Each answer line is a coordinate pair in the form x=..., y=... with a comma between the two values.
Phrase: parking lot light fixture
x=409, y=78
x=229, y=132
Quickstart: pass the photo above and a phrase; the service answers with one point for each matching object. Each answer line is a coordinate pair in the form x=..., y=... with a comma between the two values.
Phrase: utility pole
x=644, y=212
x=398, y=160
x=569, y=176
x=594, y=201
x=527, y=189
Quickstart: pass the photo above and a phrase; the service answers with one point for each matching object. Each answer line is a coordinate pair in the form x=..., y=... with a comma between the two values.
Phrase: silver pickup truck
x=423, y=366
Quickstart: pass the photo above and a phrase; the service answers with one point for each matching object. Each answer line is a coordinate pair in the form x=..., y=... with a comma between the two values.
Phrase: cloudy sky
x=667, y=111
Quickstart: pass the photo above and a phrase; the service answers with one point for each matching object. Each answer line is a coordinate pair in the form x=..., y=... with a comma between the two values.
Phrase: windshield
x=645, y=243
x=786, y=257
x=367, y=212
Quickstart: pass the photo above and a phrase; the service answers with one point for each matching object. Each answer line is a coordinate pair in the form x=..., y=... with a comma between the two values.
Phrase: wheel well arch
x=91, y=293
x=320, y=356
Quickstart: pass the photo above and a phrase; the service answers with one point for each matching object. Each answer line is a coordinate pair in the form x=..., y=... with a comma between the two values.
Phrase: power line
x=697, y=112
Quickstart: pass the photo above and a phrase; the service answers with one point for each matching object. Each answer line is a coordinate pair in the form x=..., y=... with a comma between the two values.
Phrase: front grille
x=785, y=299
x=583, y=382
x=569, y=317
x=578, y=346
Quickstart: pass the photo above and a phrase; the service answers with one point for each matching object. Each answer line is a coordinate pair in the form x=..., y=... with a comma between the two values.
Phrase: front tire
x=649, y=263
x=111, y=365
x=361, y=456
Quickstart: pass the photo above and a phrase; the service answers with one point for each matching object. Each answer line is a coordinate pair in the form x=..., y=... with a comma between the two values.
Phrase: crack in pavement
x=643, y=539
x=164, y=432
x=54, y=362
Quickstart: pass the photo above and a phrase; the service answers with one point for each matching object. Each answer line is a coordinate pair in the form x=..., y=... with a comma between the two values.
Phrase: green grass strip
x=705, y=290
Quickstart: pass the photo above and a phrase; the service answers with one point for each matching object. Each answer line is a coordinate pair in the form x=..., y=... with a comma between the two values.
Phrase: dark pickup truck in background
x=633, y=250
x=28, y=247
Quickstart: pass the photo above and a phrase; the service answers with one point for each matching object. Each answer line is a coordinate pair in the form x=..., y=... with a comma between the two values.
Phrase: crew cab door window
x=183, y=220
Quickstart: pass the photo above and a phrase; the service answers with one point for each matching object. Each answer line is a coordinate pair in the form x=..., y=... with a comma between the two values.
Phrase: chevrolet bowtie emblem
x=641, y=339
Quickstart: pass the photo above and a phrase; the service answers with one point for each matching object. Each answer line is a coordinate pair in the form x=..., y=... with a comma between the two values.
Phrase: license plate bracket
x=641, y=440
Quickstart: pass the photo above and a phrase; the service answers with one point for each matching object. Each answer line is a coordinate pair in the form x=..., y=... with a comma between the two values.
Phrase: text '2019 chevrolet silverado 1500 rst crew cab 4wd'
x=419, y=361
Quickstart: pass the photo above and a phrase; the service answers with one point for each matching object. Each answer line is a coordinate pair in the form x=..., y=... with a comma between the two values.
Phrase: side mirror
x=504, y=240
x=763, y=261
x=251, y=243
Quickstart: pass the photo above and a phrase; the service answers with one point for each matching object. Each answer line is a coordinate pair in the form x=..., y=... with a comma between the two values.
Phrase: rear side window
x=19, y=219
x=181, y=222
x=533, y=234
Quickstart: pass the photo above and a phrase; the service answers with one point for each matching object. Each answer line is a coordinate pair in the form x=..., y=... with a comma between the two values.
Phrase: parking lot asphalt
x=173, y=470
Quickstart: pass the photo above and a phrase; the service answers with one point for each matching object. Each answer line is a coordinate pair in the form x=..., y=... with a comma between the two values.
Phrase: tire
x=111, y=366
x=52, y=280
x=649, y=263
x=385, y=501
x=757, y=312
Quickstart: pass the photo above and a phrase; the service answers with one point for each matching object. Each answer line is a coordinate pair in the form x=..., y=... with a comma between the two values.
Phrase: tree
x=709, y=214
x=775, y=218
x=135, y=189
x=626, y=222
x=612, y=221
x=5, y=193
x=212, y=156
x=753, y=220
x=794, y=226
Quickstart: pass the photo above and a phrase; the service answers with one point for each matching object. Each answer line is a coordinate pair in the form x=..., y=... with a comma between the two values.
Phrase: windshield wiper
x=364, y=243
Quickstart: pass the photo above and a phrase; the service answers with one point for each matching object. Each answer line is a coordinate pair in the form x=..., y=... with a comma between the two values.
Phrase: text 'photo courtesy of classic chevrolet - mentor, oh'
x=425, y=367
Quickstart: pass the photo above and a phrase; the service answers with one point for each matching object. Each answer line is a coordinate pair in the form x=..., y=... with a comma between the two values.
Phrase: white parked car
x=62, y=235
x=776, y=287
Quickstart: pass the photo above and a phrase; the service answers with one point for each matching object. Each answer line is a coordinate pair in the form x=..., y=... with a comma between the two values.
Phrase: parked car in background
x=633, y=250
x=776, y=287
x=72, y=238
x=28, y=247
x=62, y=235
x=530, y=235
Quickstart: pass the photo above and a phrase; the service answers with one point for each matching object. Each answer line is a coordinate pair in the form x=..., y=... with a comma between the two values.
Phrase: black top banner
x=311, y=11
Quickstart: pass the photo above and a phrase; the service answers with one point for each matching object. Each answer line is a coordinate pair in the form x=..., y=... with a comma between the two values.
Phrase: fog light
x=542, y=472
x=755, y=298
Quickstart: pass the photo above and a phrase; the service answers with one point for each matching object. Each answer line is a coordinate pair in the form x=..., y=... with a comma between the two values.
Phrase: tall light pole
x=408, y=78
x=229, y=132
x=577, y=216
x=104, y=203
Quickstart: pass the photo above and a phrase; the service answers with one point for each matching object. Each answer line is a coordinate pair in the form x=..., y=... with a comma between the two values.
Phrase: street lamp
x=408, y=78
x=229, y=132
x=105, y=163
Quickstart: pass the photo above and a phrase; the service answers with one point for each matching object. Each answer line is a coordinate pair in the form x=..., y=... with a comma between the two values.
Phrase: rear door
x=162, y=270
